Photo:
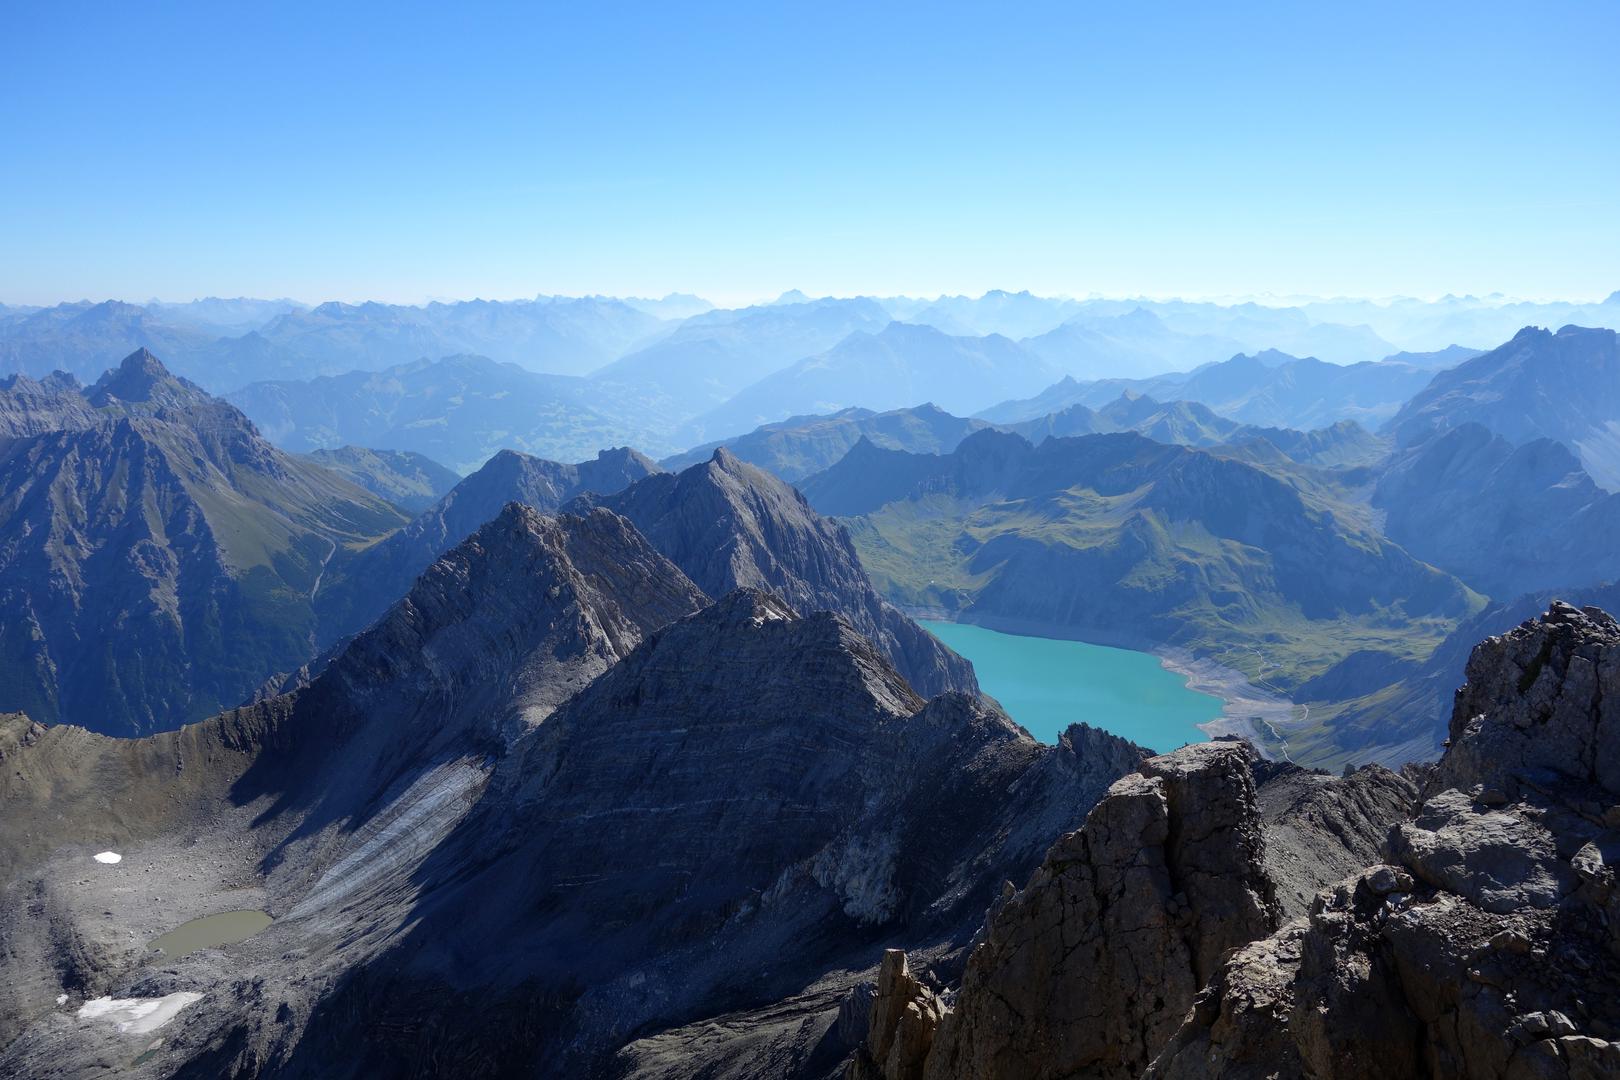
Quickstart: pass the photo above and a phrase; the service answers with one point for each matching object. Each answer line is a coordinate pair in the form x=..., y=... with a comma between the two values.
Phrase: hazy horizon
x=1270, y=300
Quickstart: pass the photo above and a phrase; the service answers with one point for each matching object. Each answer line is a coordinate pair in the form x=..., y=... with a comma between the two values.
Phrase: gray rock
x=1503, y=959
x=1092, y=965
x=730, y=525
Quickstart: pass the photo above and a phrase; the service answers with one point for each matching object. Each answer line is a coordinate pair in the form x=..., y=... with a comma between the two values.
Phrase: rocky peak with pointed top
x=387, y=569
x=531, y=604
x=1090, y=967
x=1540, y=709
x=728, y=524
x=142, y=380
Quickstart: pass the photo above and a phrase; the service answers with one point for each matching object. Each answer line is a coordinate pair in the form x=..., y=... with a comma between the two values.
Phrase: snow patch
x=137, y=1016
x=108, y=857
x=61, y=999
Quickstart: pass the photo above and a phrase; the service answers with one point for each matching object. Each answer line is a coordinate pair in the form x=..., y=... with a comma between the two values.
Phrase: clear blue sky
x=384, y=151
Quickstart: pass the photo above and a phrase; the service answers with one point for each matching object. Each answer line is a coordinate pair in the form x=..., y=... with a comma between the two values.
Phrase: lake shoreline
x=1248, y=711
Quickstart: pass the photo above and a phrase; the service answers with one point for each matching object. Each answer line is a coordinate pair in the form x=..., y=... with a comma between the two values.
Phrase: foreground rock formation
x=1489, y=944
x=1484, y=943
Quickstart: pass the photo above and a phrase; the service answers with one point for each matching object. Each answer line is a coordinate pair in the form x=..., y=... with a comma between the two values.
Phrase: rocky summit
x=729, y=524
x=1482, y=942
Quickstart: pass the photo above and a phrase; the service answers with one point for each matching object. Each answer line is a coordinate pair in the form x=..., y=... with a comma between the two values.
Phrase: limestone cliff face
x=1488, y=946
x=1088, y=969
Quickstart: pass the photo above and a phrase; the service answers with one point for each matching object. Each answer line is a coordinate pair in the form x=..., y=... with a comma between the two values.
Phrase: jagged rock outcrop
x=35, y=406
x=1488, y=946
x=1090, y=968
x=730, y=525
x=903, y=1017
x=1321, y=829
x=1540, y=712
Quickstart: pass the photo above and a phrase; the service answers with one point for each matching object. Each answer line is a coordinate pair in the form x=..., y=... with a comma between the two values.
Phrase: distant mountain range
x=800, y=446
x=896, y=366
x=1270, y=389
x=1119, y=539
x=225, y=344
x=1134, y=344
x=459, y=411
x=711, y=357
x=670, y=368
x=1540, y=385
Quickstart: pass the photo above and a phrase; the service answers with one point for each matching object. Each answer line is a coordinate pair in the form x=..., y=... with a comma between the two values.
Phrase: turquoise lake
x=1046, y=684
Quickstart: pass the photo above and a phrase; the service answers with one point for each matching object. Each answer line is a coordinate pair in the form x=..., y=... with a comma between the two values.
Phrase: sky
x=401, y=153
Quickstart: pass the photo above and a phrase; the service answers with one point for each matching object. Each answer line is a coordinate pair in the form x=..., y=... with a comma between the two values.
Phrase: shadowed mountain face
x=367, y=585
x=410, y=481
x=729, y=525
x=1506, y=519
x=512, y=789
x=1540, y=385
x=158, y=559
